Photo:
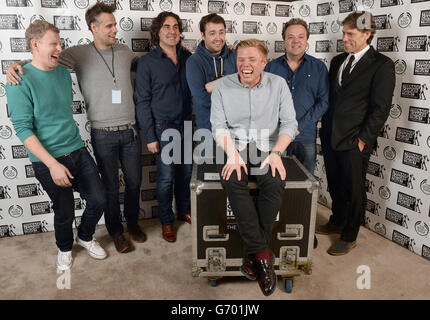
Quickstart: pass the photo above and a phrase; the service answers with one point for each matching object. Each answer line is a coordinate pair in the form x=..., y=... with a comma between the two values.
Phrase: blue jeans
x=87, y=182
x=109, y=148
x=172, y=178
x=305, y=152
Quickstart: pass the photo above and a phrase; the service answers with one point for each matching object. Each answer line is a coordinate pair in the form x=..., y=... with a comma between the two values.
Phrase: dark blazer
x=360, y=107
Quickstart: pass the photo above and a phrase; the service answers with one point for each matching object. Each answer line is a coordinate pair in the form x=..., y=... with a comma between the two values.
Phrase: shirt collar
x=263, y=80
x=160, y=52
x=358, y=55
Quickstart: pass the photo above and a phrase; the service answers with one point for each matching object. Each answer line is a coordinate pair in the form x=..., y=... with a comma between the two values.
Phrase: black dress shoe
x=248, y=267
x=315, y=242
x=266, y=277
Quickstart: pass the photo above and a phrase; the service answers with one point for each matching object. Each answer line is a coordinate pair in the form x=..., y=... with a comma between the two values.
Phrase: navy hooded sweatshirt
x=200, y=69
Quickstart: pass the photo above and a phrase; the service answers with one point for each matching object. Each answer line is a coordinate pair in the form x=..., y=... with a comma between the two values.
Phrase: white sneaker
x=64, y=260
x=93, y=248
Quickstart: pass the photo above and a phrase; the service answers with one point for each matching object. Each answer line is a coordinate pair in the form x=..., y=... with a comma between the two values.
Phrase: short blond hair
x=253, y=43
x=37, y=30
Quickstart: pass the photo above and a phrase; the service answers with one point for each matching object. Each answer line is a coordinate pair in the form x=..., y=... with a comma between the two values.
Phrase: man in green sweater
x=41, y=113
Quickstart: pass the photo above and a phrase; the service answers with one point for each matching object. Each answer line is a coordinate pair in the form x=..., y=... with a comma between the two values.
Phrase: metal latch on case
x=211, y=233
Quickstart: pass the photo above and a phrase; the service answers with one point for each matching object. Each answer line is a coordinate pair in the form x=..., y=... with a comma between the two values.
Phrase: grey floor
x=161, y=270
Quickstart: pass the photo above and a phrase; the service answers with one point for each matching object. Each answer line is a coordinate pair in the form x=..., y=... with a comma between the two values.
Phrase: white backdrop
x=398, y=183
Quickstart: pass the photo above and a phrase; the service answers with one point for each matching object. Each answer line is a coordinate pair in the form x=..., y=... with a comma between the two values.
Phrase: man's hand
x=361, y=144
x=210, y=86
x=234, y=163
x=154, y=147
x=11, y=76
x=275, y=163
x=60, y=175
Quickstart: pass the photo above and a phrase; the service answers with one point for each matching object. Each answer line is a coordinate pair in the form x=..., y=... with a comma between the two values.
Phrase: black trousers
x=254, y=222
x=346, y=177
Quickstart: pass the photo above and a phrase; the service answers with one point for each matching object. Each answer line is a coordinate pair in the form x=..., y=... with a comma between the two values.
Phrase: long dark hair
x=157, y=23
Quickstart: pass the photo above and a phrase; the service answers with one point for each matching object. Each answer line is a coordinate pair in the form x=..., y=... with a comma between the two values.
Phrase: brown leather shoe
x=186, y=218
x=169, y=233
x=248, y=267
x=137, y=234
x=266, y=276
x=122, y=245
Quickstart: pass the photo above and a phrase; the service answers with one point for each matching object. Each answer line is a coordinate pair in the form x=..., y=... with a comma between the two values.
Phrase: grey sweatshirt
x=96, y=82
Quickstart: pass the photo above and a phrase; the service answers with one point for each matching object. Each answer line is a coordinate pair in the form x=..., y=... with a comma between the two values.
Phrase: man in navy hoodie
x=211, y=61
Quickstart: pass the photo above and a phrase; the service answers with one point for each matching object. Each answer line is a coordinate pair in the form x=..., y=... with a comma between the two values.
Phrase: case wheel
x=288, y=285
x=213, y=282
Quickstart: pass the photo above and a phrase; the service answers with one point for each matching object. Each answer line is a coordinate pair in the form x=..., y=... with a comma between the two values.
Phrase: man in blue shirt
x=163, y=101
x=307, y=78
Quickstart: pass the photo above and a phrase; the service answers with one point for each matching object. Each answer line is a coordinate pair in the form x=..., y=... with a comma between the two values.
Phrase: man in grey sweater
x=103, y=70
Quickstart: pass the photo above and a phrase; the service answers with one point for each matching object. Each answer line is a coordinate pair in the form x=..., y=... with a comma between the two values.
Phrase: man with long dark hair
x=163, y=102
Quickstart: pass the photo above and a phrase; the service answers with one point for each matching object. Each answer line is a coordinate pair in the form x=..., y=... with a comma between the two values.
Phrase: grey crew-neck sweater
x=96, y=82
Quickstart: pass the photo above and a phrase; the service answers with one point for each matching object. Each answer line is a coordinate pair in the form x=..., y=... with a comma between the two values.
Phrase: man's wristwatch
x=279, y=153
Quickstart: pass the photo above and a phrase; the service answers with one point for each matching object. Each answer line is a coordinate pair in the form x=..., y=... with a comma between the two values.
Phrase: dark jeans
x=346, y=177
x=305, y=152
x=87, y=182
x=172, y=177
x=254, y=223
x=109, y=148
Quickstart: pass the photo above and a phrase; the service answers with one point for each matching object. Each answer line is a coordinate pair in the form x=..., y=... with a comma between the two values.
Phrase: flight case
x=216, y=247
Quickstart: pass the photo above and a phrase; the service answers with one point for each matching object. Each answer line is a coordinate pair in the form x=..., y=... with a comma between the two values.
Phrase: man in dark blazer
x=362, y=84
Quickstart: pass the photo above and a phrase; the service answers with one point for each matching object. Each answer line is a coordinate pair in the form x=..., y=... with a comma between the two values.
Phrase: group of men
x=255, y=111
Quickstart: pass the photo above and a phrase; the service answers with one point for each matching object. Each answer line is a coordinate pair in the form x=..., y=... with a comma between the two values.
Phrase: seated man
x=252, y=113
x=41, y=113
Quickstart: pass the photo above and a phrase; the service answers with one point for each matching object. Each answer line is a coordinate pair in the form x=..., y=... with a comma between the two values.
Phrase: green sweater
x=41, y=106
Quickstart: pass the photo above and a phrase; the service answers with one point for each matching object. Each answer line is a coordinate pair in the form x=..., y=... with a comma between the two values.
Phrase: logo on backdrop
x=126, y=24
x=166, y=5
x=190, y=6
x=347, y=6
x=397, y=218
x=400, y=66
x=380, y=228
x=418, y=1
x=402, y=178
x=271, y=28
x=29, y=190
x=252, y=27
x=335, y=26
x=415, y=160
x=391, y=3
x=260, y=9
x=389, y=153
x=318, y=27
x=368, y=4
x=425, y=18
x=53, y=4
x=404, y=20
x=422, y=68
x=409, y=202
x=10, y=172
x=140, y=45
x=282, y=10
x=340, y=47
x=82, y=4
x=29, y=171
x=406, y=135
x=67, y=22
x=143, y=5
x=19, y=152
x=325, y=9
x=323, y=46
x=304, y=10
x=190, y=44
x=416, y=43
x=402, y=240
x=420, y=115
x=239, y=8
x=19, y=3
x=382, y=22
x=387, y=44
x=421, y=228
x=5, y=132
x=384, y=192
x=218, y=7
x=395, y=111
x=15, y=211
x=414, y=91
x=425, y=186
x=376, y=169
x=38, y=208
x=372, y=207
x=35, y=227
